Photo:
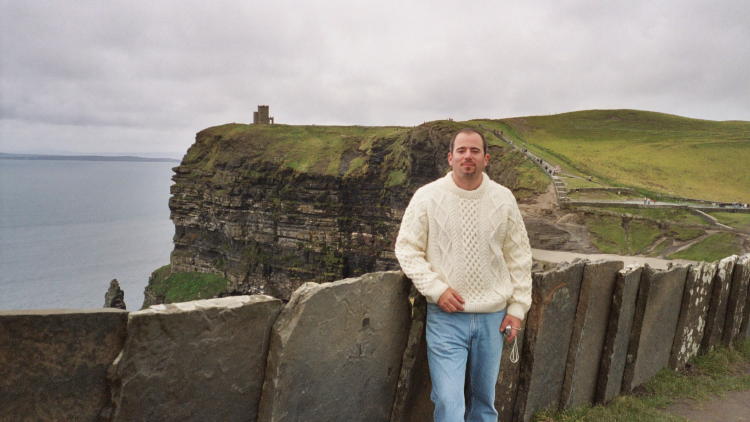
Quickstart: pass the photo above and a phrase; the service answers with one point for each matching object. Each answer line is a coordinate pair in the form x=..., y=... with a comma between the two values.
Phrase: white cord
x=514, y=357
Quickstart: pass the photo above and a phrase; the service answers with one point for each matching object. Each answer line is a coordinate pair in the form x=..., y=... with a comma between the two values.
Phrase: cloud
x=94, y=76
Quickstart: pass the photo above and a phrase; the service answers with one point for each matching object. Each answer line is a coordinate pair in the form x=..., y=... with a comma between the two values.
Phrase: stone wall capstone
x=692, y=322
x=745, y=327
x=589, y=331
x=717, y=309
x=201, y=360
x=654, y=325
x=412, y=402
x=737, y=300
x=549, y=325
x=506, y=388
x=336, y=351
x=53, y=363
x=615, y=348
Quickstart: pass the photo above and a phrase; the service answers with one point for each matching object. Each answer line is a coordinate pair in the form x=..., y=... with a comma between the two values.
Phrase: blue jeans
x=455, y=341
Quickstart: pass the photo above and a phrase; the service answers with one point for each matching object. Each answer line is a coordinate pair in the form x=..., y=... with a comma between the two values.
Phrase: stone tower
x=261, y=117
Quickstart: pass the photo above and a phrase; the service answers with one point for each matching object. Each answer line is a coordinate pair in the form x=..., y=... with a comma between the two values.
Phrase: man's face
x=468, y=158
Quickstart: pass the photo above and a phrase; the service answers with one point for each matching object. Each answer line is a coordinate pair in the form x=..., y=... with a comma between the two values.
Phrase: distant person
x=464, y=245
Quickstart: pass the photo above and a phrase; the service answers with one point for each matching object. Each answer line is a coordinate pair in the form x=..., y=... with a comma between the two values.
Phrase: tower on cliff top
x=261, y=117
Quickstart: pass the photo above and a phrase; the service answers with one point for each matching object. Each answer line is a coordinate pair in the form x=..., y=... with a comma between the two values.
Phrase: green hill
x=390, y=154
x=654, y=152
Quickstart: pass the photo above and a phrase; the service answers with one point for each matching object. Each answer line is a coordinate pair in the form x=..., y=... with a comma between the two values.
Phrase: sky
x=143, y=77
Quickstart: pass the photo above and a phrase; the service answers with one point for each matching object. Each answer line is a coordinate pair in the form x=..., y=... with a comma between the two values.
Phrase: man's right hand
x=451, y=301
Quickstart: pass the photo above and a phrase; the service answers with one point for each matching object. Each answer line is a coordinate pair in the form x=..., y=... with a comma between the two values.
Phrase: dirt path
x=562, y=256
x=733, y=406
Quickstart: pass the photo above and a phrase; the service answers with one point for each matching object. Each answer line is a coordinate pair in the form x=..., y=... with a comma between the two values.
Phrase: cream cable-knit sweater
x=473, y=241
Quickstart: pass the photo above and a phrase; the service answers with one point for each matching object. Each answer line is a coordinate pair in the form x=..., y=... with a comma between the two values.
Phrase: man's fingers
x=455, y=304
x=458, y=297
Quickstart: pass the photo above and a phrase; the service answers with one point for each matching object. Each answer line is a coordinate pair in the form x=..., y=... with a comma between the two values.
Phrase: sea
x=69, y=227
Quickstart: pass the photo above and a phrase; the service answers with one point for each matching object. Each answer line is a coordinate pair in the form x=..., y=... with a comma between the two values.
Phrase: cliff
x=270, y=207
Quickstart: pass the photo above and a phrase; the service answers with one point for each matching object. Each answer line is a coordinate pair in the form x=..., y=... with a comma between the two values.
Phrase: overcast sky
x=145, y=76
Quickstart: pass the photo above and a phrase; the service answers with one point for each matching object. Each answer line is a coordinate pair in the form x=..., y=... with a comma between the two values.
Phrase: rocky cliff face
x=272, y=207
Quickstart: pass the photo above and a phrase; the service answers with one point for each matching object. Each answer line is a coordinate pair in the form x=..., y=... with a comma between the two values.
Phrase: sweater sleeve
x=517, y=253
x=411, y=249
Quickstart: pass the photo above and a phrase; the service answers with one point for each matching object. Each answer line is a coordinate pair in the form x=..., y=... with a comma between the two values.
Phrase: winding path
x=565, y=256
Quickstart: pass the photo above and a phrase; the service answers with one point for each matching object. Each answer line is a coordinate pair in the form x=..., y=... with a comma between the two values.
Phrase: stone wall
x=354, y=349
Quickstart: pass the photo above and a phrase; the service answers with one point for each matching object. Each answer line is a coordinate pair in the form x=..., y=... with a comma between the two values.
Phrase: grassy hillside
x=388, y=153
x=313, y=149
x=654, y=152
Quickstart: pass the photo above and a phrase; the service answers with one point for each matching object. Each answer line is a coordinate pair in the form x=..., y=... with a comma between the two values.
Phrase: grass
x=182, y=287
x=512, y=134
x=611, y=235
x=531, y=180
x=602, y=195
x=685, y=233
x=630, y=230
x=577, y=182
x=306, y=148
x=712, y=248
x=740, y=221
x=719, y=371
x=674, y=215
x=652, y=151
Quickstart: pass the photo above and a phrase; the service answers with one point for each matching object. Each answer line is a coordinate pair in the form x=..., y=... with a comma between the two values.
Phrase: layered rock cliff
x=270, y=207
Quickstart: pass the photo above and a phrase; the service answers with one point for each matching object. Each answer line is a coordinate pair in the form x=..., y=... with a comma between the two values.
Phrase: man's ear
x=450, y=158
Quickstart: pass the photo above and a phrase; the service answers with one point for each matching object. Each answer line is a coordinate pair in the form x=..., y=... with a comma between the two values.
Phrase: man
x=464, y=245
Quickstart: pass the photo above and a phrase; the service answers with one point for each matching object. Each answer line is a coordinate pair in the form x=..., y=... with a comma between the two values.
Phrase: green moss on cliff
x=310, y=149
x=713, y=247
x=168, y=287
x=387, y=153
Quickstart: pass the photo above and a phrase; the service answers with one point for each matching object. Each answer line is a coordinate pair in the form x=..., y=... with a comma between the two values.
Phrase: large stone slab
x=692, y=322
x=717, y=309
x=737, y=300
x=619, y=326
x=745, y=328
x=506, y=388
x=412, y=402
x=549, y=325
x=53, y=363
x=589, y=331
x=201, y=360
x=654, y=325
x=343, y=337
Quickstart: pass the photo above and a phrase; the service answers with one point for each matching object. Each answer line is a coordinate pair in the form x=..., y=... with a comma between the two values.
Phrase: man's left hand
x=515, y=325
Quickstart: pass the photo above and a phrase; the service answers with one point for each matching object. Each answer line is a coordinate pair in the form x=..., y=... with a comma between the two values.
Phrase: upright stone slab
x=549, y=325
x=654, y=325
x=202, y=360
x=589, y=331
x=412, y=402
x=336, y=351
x=615, y=349
x=717, y=310
x=506, y=388
x=745, y=328
x=736, y=302
x=53, y=363
x=692, y=322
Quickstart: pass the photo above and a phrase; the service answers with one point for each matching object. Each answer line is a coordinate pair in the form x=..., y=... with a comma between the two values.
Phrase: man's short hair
x=469, y=131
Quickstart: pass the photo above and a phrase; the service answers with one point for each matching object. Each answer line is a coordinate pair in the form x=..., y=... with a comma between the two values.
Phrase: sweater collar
x=450, y=184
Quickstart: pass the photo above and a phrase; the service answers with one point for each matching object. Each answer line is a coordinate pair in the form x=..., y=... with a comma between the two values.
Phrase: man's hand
x=515, y=325
x=451, y=301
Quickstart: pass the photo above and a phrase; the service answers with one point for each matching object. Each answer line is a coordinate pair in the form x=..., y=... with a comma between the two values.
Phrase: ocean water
x=68, y=227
